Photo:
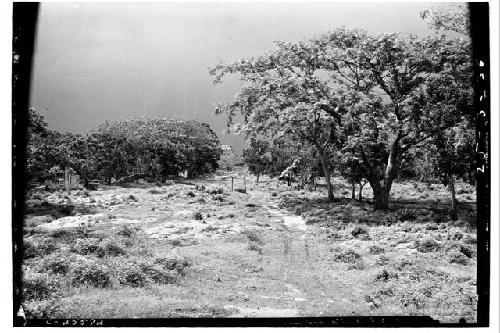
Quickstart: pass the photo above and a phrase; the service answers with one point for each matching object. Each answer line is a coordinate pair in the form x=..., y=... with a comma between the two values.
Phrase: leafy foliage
x=155, y=147
x=375, y=97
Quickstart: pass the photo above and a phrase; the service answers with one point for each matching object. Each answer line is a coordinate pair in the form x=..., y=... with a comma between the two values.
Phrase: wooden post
x=245, y=183
x=232, y=183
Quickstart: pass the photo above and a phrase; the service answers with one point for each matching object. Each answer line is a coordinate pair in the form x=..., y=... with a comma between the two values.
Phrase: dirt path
x=300, y=275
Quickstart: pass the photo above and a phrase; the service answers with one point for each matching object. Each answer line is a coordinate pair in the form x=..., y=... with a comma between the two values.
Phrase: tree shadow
x=57, y=210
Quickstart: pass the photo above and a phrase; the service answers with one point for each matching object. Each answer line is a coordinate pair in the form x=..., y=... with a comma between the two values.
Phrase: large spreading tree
x=286, y=97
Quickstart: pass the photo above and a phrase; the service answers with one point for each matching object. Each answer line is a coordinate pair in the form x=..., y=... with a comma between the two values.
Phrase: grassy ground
x=201, y=250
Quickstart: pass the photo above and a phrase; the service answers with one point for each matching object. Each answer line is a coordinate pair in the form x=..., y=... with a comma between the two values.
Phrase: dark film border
x=479, y=24
x=24, y=19
x=24, y=31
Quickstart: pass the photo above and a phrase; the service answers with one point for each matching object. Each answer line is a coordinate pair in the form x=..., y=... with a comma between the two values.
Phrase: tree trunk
x=451, y=186
x=381, y=196
x=360, y=194
x=353, y=192
x=382, y=188
x=326, y=170
x=258, y=174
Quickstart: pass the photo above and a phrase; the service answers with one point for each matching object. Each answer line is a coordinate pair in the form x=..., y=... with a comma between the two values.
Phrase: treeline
x=147, y=147
x=371, y=107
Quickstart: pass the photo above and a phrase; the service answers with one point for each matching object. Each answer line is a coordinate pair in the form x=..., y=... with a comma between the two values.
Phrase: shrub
x=178, y=265
x=382, y=260
x=154, y=191
x=38, y=247
x=218, y=190
x=462, y=248
x=402, y=264
x=127, y=231
x=384, y=292
x=55, y=264
x=253, y=236
x=60, y=233
x=439, y=218
x=389, y=219
x=470, y=239
x=157, y=274
x=346, y=217
x=131, y=274
x=348, y=256
x=176, y=242
x=384, y=275
x=358, y=264
x=86, y=246
x=457, y=257
x=133, y=198
x=455, y=234
x=140, y=273
x=39, y=286
x=360, y=232
x=218, y=197
x=198, y=216
x=29, y=249
x=190, y=194
x=431, y=226
x=37, y=220
x=90, y=273
x=374, y=249
x=428, y=244
x=253, y=246
x=413, y=298
x=109, y=248
x=406, y=215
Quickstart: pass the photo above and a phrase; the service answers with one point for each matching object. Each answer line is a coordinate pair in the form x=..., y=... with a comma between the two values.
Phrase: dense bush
x=90, y=273
x=39, y=286
x=348, y=256
x=466, y=250
x=109, y=248
x=147, y=147
x=457, y=257
x=360, y=232
x=38, y=247
x=374, y=249
x=385, y=275
x=127, y=231
x=56, y=264
x=86, y=246
x=141, y=272
x=428, y=244
x=407, y=215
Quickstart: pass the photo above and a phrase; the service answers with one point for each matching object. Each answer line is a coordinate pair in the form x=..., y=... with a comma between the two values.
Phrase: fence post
x=232, y=183
x=245, y=183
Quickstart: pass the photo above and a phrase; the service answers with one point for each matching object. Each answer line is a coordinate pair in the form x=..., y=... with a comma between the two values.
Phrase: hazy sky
x=113, y=60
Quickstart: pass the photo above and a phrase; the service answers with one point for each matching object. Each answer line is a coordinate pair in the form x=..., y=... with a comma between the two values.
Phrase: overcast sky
x=113, y=60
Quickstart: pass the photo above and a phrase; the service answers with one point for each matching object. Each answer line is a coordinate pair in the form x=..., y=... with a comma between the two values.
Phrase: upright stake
x=232, y=183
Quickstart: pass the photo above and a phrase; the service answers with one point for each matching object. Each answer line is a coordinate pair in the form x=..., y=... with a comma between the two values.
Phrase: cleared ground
x=201, y=250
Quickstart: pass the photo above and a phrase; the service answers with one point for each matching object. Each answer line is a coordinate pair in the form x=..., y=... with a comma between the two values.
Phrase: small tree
x=258, y=157
x=452, y=92
x=351, y=168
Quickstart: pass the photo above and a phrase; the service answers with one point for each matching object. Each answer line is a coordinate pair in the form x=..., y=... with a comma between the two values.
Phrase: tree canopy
x=378, y=96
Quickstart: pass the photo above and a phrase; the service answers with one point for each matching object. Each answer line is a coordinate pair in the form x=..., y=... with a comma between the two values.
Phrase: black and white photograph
x=240, y=164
